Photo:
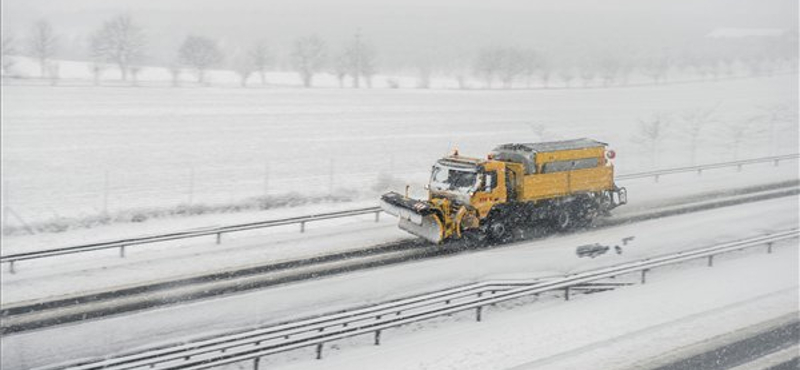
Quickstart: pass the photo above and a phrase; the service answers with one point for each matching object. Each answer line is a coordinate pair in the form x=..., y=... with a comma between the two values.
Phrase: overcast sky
x=405, y=29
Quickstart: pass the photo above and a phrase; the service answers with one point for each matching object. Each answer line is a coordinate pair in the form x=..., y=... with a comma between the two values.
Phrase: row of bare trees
x=522, y=67
x=692, y=128
x=122, y=43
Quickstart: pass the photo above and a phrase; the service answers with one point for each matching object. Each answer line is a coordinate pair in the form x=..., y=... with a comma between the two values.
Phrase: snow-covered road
x=539, y=258
x=63, y=276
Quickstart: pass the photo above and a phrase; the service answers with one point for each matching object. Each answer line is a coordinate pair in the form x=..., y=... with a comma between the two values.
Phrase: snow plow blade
x=415, y=216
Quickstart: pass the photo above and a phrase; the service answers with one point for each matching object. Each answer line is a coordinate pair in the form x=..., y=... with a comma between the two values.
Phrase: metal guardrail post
x=319, y=351
x=122, y=251
x=711, y=260
x=11, y=267
x=739, y=168
x=655, y=178
x=644, y=275
x=566, y=294
x=699, y=172
x=219, y=238
x=478, y=313
x=255, y=363
x=377, y=337
x=769, y=247
x=302, y=226
x=377, y=216
x=776, y=162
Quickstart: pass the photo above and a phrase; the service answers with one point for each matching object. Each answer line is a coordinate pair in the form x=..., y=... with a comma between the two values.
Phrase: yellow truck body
x=529, y=182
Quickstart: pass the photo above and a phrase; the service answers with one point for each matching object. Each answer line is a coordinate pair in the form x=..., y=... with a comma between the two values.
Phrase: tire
x=563, y=219
x=499, y=232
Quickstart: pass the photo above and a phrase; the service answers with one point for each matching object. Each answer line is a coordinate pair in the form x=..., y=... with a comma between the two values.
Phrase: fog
x=404, y=31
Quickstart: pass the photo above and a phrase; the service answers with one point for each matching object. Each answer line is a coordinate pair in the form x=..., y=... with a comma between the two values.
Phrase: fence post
x=219, y=238
x=711, y=260
x=330, y=177
x=302, y=226
x=377, y=337
x=769, y=247
x=644, y=276
x=191, y=185
x=319, y=351
x=255, y=363
x=122, y=251
x=266, y=179
x=478, y=313
x=105, y=192
x=6, y=201
x=11, y=267
x=566, y=294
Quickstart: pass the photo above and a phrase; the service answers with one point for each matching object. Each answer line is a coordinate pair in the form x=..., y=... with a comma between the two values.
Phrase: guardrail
x=317, y=331
x=11, y=259
x=699, y=169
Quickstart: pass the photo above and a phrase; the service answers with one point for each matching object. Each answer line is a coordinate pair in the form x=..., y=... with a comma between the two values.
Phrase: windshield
x=450, y=178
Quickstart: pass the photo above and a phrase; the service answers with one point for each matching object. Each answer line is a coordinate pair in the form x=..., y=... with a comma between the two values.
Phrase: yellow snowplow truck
x=562, y=183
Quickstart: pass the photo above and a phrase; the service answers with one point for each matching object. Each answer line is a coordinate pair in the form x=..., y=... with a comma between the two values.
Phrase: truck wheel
x=499, y=232
x=563, y=220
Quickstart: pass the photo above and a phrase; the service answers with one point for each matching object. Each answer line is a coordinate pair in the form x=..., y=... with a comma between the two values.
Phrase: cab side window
x=490, y=181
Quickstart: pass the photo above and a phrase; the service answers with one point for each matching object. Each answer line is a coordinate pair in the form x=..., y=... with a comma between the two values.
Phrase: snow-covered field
x=77, y=151
x=735, y=292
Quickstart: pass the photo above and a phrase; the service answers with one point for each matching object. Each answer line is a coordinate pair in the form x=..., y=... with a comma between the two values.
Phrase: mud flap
x=619, y=197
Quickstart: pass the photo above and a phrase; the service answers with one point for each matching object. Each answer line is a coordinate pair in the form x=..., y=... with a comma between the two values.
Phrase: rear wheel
x=563, y=219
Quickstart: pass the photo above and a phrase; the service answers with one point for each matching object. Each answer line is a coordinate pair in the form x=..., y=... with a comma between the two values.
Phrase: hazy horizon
x=406, y=31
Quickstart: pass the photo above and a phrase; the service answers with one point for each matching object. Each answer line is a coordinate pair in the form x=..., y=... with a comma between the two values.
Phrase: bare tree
x=424, y=72
x=588, y=71
x=656, y=67
x=340, y=68
x=119, y=41
x=308, y=57
x=650, y=135
x=8, y=49
x=54, y=72
x=244, y=68
x=545, y=70
x=261, y=59
x=135, y=70
x=774, y=115
x=511, y=66
x=566, y=74
x=96, y=68
x=530, y=65
x=737, y=130
x=609, y=70
x=175, y=71
x=42, y=44
x=200, y=53
x=360, y=59
x=695, y=120
x=487, y=65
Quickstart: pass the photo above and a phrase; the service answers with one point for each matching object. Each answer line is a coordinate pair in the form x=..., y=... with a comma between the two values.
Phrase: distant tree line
x=121, y=43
